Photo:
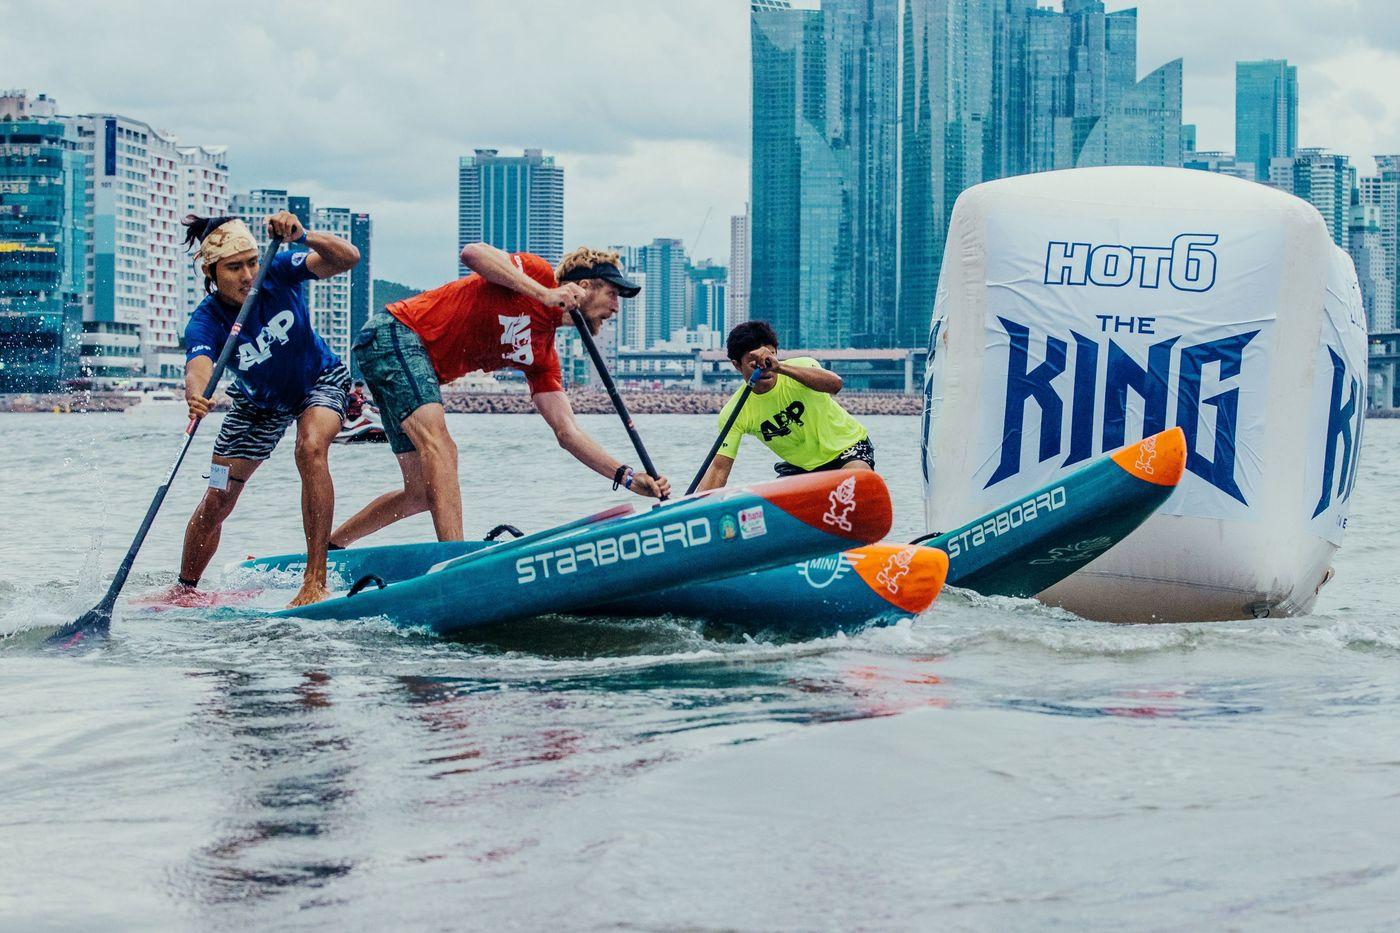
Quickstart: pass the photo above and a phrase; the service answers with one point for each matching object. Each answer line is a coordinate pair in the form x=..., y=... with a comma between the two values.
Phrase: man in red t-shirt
x=504, y=315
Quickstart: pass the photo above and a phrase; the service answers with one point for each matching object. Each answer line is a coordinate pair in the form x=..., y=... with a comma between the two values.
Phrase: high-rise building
x=515, y=203
x=1049, y=126
x=1223, y=163
x=138, y=185
x=204, y=192
x=863, y=119
x=1382, y=191
x=737, y=307
x=361, y=278
x=802, y=210
x=43, y=232
x=134, y=263
x=859, y=153
x=1085, y=104
x=664, y=263
x=257, y=205
x=1266, y=113
x=1324, y=180
x=706, y=288
x=341, y=304
x=166, y=262
x=1372, y=271
x=329, y=299
x=631, y=320
x=1141, y=125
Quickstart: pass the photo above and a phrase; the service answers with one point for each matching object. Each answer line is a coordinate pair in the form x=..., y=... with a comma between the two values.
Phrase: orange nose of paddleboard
x=851, y=504
x=1159, y=459
x=908, y=576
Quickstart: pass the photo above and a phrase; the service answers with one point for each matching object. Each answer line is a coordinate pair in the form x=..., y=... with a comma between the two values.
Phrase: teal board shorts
x=398, y=372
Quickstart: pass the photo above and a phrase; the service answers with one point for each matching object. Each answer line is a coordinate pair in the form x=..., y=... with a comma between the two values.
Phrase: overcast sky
x=645, y=102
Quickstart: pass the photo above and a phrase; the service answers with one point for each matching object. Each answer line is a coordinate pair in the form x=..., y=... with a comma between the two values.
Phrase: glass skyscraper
x=1266, y=113
x=361, y=278
x=514, y=203
x=1324, y=180
x=1141, y=125
x=859, y=153
x=1382, y=192
x=664, y=263
x=43, y=230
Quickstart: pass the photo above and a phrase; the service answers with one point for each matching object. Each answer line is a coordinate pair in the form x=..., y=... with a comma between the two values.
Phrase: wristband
x=302, y=238
x=618, y=476
x=630, y=476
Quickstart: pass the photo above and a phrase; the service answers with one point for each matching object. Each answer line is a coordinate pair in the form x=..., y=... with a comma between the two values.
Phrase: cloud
x=369, y=105
x=645, y=102
x=1347, y=53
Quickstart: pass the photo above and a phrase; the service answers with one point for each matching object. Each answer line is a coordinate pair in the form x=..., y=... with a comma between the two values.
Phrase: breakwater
x=590, y=401
x=67, y=402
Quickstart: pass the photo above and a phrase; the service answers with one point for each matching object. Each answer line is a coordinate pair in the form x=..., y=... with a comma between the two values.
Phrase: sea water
x=992, y=765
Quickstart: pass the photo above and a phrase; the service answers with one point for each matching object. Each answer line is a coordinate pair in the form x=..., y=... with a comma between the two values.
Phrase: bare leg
x=206, y=524
x=437, y=454
x=316, y=427
x=389, y=507
x=855, y=465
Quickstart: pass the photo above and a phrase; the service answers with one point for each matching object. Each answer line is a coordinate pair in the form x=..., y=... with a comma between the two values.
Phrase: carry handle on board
x=611, y=512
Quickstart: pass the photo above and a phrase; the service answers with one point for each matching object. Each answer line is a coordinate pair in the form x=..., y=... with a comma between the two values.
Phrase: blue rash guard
x=278, y=355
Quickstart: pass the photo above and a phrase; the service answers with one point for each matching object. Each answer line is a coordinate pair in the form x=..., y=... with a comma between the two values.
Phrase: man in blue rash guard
x=284, y=372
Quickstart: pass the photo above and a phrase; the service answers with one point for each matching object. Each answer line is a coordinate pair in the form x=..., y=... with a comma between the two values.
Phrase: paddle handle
x=225, y=355
x=756, y=375
x=582, y=324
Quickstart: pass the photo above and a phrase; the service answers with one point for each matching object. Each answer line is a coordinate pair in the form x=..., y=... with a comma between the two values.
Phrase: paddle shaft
x=118, y=581
x=582, y=324
x=724, y=431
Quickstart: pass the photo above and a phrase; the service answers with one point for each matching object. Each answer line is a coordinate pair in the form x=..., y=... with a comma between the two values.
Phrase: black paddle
x=582, y=324
x=756, y=375
x=99, y=617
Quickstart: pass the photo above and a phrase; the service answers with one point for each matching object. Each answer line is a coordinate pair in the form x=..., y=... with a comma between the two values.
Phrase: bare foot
x=309, y=593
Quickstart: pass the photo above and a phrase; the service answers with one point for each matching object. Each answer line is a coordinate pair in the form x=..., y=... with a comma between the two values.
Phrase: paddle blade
x=92, y=624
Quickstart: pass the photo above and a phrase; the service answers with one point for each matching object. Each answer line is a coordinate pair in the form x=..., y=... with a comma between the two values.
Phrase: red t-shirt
x=471, y=325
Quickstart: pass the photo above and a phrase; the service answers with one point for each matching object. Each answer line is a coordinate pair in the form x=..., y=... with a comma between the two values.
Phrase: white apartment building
x=136, y=268
x=204, y=193
x=736, y=308
x=329, y=299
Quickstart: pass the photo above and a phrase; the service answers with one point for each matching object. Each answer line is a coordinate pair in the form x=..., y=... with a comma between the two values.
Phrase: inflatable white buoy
x=1081, y=310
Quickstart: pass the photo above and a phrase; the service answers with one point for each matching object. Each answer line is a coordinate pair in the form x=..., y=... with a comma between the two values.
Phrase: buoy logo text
x=635, y=545
x=1005, y=520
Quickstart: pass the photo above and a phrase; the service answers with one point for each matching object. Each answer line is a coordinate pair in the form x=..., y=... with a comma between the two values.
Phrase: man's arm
x=197, y=372
x=718, y=473
x=330, y=255
x=559, y=415
x=494, y=266
x=813, y=377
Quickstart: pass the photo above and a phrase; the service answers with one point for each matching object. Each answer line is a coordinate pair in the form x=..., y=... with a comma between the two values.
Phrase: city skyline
x=618, y=130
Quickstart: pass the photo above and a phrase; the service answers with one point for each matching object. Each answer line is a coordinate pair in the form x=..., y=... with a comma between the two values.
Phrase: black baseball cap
x=608, y=273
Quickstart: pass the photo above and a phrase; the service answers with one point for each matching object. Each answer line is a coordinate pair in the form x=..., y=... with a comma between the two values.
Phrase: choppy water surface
x=992, y=765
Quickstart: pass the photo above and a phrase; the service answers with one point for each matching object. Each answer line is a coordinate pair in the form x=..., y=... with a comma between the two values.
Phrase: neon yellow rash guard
x=804, y=427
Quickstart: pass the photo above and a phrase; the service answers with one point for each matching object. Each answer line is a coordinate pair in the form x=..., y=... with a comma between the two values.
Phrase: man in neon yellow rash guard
x=792, y=410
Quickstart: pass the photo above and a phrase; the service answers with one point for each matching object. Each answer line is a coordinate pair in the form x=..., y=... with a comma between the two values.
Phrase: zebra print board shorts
x=251, y=432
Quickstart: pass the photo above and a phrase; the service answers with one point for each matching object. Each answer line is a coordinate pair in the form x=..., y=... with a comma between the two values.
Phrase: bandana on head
x=228, y=239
